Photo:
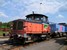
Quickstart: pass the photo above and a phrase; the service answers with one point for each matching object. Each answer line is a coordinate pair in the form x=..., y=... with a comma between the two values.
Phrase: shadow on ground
x=61, y=41
x=24, y=45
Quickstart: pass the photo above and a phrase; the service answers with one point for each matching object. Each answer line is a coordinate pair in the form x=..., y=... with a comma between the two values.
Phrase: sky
x=56, y=10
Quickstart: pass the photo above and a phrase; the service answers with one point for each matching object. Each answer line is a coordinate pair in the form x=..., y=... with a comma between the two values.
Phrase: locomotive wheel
x=59, y=34
x=53, y=35
x=21, y=40
x=62, y=34
x=17, y=41
x=11, y=40
x=48, y=37
x=35, y=38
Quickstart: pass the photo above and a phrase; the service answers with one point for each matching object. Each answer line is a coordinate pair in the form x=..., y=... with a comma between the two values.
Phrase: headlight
x=20, y=35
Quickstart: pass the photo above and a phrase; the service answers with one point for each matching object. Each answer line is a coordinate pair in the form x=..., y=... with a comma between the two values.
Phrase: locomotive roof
x=28, y=21
x=41, y=15
x=19, y=20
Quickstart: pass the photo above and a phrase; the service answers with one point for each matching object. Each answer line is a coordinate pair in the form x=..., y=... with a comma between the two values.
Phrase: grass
x=1, y=33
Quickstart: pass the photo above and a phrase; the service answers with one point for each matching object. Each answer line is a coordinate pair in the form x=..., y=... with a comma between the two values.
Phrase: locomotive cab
x=33, y=28
x=37, y=17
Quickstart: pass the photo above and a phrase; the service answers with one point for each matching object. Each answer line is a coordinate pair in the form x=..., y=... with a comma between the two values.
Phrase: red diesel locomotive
x=33, y=28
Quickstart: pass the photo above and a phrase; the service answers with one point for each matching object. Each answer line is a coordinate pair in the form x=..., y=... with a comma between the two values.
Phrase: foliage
x=5, y=25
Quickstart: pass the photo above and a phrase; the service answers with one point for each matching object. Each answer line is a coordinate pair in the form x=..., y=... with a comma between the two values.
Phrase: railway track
x=6, y=46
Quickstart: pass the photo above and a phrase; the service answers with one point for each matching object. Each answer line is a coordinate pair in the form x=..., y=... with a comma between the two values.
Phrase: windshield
x=43, y=19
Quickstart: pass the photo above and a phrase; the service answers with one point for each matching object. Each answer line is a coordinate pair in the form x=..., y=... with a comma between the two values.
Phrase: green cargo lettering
x=45, y=26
